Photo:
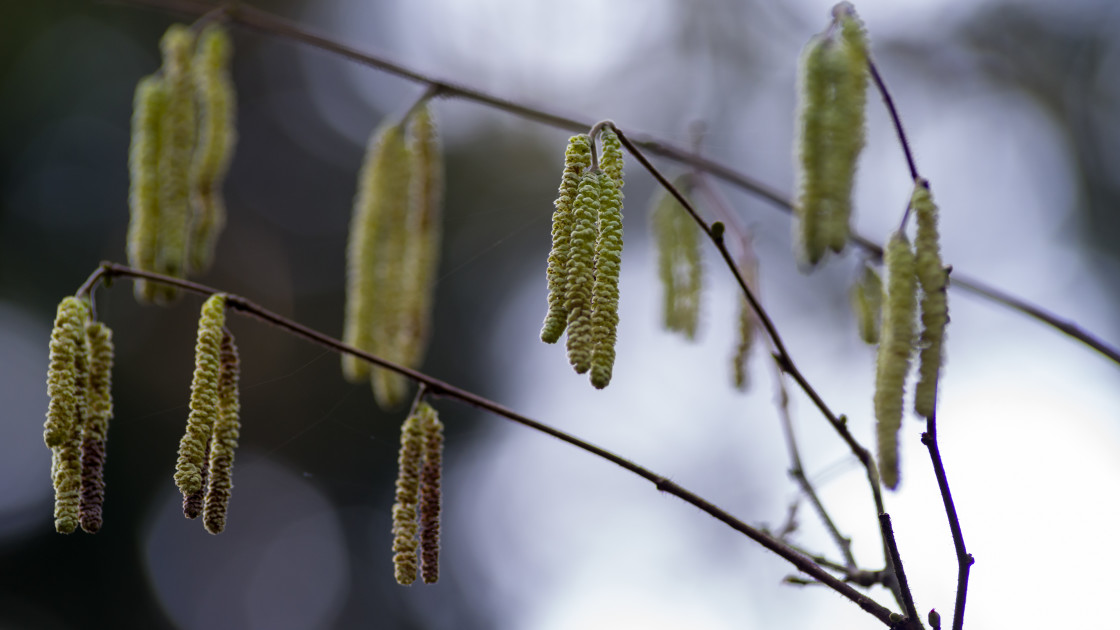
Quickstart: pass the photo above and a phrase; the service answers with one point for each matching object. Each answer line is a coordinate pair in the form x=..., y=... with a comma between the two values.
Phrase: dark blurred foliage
x=67, y=72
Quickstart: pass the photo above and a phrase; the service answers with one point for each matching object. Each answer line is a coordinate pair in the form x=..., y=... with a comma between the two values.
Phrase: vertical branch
x=964, y=559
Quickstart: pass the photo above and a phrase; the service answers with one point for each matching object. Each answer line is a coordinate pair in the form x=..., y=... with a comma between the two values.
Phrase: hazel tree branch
x=436, y=387
x=262, y=21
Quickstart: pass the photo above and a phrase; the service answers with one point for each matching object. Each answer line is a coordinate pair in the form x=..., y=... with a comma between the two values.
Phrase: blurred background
x=1012, y=107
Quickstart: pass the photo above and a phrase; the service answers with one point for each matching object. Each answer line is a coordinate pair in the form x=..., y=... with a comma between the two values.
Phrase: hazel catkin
x=148, y=109
x=867, y=302
x=577, y=158
x=678, y=261
x=217, y=136
x=608, y=261
x=934, y=304
x=405, y=510
x=430, y=493
x=227, y=430
x=205, y=404
x=830, y=134
x=95, y=429
x=896, y=345
x=177, y=140
x=581, y=272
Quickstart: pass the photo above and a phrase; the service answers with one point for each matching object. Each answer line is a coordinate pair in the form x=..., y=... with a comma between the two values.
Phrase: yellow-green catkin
x=205, y=404
x=608, y=261
x=148, y=109
x=217, y=136
x=67, y=386
x=831, y=103
x=424, y=237
x=896, y=345
x=581, y=272
x=373, y=253
x=62, y=371
x=867, y=302
x=405, y=510
x=678, y=261
x=935, y=309
x=227, y=430
x=577, y=158
x=430, y=493
x=748, y=323
x=95, y=429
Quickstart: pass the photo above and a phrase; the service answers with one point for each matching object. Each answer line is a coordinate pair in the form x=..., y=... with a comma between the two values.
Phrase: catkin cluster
x=585, y=262
x=832, y=96
x=183, y=136
x=393, y=253
x=678, y=261
x=418, y=498
x=907, y=271
x=203, y=471
x=77, y=424
x=748, y=323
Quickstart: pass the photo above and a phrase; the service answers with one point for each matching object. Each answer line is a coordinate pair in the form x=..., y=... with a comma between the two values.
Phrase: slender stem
x=437, y=387
x=964, y=559
x=894, y=117
x=896, y=561
x=265, y=22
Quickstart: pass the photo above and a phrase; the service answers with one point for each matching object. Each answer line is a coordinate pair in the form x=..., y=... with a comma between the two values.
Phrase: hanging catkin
x=678, y=261
x=867, y=302
x=576, y=160
x=205, y=405
x=935, y=309
x=405, y=521
x=430, y=493
x=95, y=429
x=424, y=236
x=748, y=322
x=217, y=136
x=67, y=386
x=382, y=190
x=608, y=260
x=177, y=140
x=831, y=103
x=896, y=346
x=149, y=106
x=227, y=430
x=581, y=272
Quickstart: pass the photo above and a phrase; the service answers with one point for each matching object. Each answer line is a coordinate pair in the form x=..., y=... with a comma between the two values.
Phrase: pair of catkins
x=393, y=253
x=183, y=136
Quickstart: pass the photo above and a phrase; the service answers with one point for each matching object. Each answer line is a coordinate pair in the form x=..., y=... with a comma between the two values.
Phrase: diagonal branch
x=437, y=387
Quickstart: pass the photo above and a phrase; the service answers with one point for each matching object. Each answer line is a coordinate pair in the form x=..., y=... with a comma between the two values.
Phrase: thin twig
x=896, y=562
x=796, y=471
x=894, y=117
x=964, y=559
x=265, y=22
x=437, y=387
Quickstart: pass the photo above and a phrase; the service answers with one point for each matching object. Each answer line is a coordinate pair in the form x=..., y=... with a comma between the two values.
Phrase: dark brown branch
x=264, y=22
x=437, y=387
x=964, y=559
x=896, y=563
